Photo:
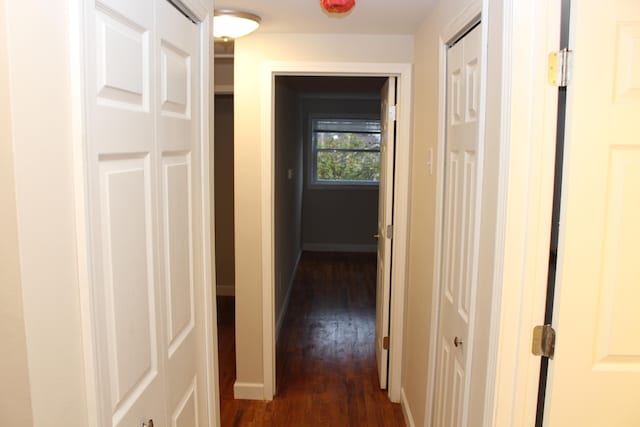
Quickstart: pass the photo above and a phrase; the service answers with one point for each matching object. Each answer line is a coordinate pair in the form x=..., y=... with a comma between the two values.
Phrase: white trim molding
x=406, y=409
x=248, y=391
x=401, y=208
x=530, y=121
x=285, y=304
x=338, y=247
x=524, y=111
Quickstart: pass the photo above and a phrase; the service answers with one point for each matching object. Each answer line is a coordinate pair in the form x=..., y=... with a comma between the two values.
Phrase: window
x=345, y=152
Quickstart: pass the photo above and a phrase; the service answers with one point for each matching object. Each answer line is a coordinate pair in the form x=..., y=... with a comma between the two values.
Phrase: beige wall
x=224, y=73
x=250, y=54
x=422, y=215
x=15, y=399
x=41, y=124
x=423, y=200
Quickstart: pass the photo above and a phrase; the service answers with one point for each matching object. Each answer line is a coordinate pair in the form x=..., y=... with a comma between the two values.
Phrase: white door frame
x=201, y=11
x=466, y=19
x=522, y=117
x=401, y=209
x=529, y=129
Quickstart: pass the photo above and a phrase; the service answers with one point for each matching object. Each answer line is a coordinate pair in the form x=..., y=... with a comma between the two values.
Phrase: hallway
x=326, y=368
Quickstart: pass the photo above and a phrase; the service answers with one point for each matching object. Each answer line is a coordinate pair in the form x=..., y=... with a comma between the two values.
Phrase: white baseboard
x=285, y=303
x=226, y=290
x=248, y=391
x=406, y=410
x=338, y=247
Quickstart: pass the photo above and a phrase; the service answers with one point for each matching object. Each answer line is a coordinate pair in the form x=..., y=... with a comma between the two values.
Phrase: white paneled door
x=458, y=280
x=385, y=221
x=595, y=375
x=144, y=194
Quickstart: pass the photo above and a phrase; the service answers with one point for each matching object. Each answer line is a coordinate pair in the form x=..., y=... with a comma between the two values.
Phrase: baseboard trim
x=406, y=410
x=248, y=391
x=338, y=247
x=226, y=290
x=285, y=304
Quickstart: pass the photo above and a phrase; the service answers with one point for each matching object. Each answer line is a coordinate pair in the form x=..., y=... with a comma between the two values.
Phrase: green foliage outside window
x=347, y=151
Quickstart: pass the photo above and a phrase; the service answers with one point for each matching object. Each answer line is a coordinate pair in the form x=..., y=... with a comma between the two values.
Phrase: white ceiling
x=306, y=16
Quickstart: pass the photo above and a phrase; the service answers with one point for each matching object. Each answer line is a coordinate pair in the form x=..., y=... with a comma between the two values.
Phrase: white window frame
x=312, y=181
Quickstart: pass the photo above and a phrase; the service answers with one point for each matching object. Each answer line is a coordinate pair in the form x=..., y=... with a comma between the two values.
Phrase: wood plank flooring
x=326, y=368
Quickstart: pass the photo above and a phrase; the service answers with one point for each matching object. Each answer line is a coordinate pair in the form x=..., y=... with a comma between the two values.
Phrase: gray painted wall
x=223, y=196
x=338, y=219
x=288, y=191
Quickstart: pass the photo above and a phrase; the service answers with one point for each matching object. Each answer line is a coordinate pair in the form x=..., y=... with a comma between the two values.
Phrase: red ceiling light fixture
x=337, y=6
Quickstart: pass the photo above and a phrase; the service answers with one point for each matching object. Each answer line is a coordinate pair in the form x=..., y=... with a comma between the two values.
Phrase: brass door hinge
x=559, y=68
x=385, y=343
x=544, y=341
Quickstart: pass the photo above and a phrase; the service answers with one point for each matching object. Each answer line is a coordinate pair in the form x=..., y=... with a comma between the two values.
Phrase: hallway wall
x=15, y=395
x=43, y=119
x=338, y=219
x=223, y=196
x=251, y=53
x=288, y=192
x=421, y=280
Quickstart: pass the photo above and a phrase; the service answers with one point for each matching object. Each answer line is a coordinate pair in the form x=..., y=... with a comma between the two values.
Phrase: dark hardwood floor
x=326, y=368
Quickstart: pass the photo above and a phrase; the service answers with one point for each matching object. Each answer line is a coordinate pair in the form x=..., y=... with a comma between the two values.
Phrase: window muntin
x=346, y=151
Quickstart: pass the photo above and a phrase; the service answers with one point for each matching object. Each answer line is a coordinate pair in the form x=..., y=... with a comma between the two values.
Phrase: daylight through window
x=346, y=151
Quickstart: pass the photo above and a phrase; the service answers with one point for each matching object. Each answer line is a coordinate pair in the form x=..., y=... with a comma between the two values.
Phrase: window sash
x=341, y=126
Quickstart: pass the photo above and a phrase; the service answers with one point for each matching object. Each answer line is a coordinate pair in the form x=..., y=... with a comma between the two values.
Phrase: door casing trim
x=401, y=206
x=525, y=124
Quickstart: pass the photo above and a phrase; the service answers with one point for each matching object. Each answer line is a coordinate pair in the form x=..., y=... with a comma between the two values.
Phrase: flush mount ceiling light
x=231, y=24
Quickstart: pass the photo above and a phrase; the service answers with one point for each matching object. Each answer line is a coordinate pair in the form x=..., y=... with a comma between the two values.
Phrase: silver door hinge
x=543, y=341
x=390, y=231
x=392, y=113
x=385, y=343
x=559, y=67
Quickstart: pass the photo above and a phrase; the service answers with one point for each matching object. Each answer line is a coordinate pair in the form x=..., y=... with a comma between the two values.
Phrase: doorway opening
x=276, y=278
x=223, y=221
x=328, y=149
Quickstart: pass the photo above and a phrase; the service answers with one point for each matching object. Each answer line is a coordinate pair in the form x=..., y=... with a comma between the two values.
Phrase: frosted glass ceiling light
x=230, y=24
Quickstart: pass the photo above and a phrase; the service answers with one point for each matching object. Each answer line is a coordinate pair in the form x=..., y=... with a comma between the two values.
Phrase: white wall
x=15, y=394
x=250, y=54
x=41, y=121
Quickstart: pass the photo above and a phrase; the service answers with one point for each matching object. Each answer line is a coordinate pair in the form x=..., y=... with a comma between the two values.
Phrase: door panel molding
x=103, y=24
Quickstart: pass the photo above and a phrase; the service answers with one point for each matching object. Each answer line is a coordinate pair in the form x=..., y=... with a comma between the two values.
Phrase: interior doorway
x=331, y=139
x=273, y=280
x=223, y=221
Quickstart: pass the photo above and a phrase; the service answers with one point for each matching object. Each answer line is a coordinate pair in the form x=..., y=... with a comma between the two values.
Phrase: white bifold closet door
x=144, y=195
x=458, y=278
